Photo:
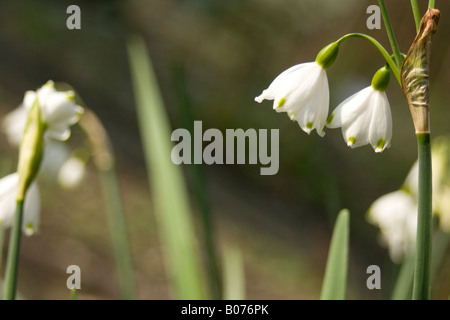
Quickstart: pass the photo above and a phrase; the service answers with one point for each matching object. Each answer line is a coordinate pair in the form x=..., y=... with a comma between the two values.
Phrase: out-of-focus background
x=228, y=52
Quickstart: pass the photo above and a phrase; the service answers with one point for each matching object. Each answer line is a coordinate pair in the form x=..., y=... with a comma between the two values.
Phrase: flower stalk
x=422, y=275
x=390, y=33
x=415, y=83
x=12, y=262
x=381, y=49
x=416, y=13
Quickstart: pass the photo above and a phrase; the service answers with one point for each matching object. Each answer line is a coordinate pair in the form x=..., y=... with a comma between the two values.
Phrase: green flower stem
x=404, y=281
x=12, y=262
x=73, y=294
x=380, y=48
x=422, y=275
x=103, y=158
x=119, y=234
x=416, y=13
x=431, y=4
x=390, y=33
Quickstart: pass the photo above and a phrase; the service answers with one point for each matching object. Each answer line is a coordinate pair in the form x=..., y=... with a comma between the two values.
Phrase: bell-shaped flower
x=302, y=91
x=32, y=205
x=395, y=214
x=58, y=109
x=365, y=117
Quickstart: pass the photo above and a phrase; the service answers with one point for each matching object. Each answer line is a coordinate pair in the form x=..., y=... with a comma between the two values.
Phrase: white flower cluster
x=395, y=213
x=302, y=92
x=58, y=113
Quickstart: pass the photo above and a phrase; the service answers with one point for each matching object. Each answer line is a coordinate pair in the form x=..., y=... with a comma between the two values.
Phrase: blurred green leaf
x=404, y=282
x=171, y=205
x=234, y=274
x=335, y=280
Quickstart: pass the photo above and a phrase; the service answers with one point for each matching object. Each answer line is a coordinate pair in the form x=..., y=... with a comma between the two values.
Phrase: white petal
x=395, y=214
x=8, y=190
x=302, y=88
x=45, y=92
x=348, y=110
x=380, y=131
x=55, y=154
x=58, y=132
x=14, y=125
x=71, y=173
x=58, y=108
x=28, y=99
x=356, y=133
x=279, y=82
x=313, y=115
x=412, y=179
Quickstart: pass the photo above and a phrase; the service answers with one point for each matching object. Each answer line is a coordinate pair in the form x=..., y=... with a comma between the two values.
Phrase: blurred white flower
x=365, y=117
x=58, y=109
x=32, y=205
x=301, y=91
x=395, y=214
x=14, y=124
x=71, y=172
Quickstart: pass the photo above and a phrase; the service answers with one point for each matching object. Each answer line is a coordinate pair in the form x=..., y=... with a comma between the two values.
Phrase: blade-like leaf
x=335, y=280
x=171, y=205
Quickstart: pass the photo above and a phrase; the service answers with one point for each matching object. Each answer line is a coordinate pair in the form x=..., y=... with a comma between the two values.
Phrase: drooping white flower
x=440, y=155
x=58, y=109
x=395, y=214
x=302, y=91
x=365, y=117
x=55, y=154
x=32, y=205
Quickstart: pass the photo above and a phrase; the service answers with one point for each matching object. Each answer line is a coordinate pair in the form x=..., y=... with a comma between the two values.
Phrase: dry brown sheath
x=415, y=72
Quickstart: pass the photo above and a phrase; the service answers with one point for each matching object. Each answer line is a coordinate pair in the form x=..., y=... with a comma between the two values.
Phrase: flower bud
x=30, y=152
x=328, y=55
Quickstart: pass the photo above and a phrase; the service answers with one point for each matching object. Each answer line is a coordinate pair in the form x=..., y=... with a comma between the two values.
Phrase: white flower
x=14, y=124
x=301, y=91
x=58, y=109
x=32, y=205
x=71, y=172
x=365, y=117
x=395, y=214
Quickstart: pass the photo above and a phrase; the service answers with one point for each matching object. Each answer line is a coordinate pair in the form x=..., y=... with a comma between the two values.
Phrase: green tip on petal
x=49, y=83
x=292, y=116
x=381, y=79
x=380, y=145
x=281, y=102
x=309, y=125
x=29, y=230
x=327, y=55
x=70, y=95
x=330, y=118
x=351, y=141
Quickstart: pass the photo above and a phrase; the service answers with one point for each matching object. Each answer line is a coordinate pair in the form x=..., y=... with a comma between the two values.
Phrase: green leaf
x=335, y=280
x=233, y=274
x=169, y=194
x=404, y=282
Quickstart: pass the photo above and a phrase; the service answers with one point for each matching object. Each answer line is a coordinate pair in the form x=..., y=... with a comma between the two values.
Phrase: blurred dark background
x=228, y=52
